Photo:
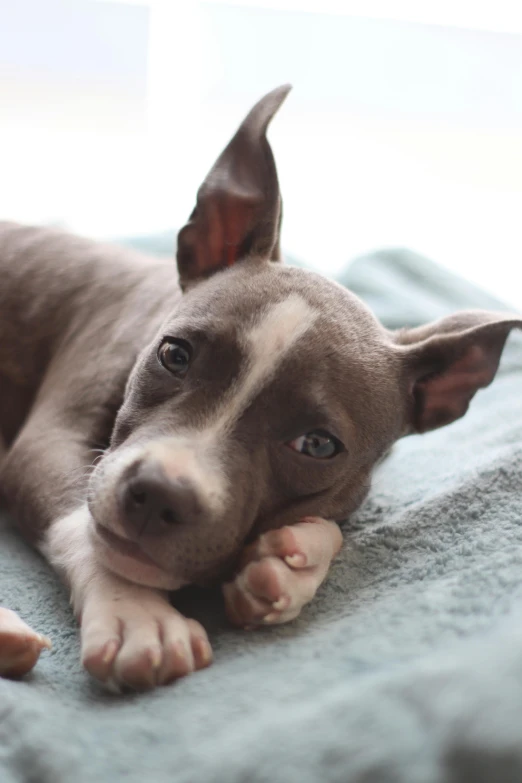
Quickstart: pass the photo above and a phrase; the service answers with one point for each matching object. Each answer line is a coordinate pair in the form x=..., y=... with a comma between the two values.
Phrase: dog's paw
x=20, y=646
x=281, y=572
x=133, y=638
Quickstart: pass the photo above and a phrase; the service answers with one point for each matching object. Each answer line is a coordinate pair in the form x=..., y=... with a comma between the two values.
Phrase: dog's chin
x=129, y=562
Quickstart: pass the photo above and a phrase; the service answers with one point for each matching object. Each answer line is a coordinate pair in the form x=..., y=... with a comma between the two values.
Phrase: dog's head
x=270, y=392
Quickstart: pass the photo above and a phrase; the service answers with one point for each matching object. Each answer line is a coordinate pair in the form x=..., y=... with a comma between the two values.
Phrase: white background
x=404, y=127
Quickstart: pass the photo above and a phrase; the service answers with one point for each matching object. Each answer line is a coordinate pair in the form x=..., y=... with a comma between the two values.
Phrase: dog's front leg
x=130, y=635
x=281, y=572
x=41, y=474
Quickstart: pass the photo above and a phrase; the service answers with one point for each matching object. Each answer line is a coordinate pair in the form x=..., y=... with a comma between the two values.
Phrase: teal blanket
x=408, y=666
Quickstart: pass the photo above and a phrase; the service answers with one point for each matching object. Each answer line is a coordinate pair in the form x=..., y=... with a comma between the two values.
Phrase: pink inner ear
x=224, y=227
x=445, y=397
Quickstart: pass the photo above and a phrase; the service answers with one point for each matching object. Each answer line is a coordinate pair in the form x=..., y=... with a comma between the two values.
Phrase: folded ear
x=446, y=362
x=238, y=207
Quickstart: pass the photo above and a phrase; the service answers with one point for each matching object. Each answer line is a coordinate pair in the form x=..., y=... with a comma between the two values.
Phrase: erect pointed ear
x=238, y=207
x=446, y=362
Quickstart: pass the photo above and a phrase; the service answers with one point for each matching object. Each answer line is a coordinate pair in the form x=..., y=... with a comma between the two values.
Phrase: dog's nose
x=154, y=503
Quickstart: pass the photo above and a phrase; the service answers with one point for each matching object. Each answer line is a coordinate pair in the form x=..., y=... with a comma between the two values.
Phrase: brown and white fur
x=240, y=409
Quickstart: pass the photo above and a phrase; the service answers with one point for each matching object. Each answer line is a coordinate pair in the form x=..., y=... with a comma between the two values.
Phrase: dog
x=211, y=427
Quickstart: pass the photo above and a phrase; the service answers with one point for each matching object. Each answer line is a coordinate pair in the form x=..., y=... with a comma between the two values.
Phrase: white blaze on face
x=197, y=454
x=266, y=344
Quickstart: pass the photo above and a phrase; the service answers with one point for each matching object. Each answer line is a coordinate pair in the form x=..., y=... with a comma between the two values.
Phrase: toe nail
x=296, y=561
x=205, y=651
x=110, y=651
x=179, y=650
x=45, y=642
x=271, y=617
x=281, y=603
x=155, y=658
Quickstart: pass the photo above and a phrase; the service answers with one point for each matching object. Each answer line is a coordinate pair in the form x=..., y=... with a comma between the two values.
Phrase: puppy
x=160, y=431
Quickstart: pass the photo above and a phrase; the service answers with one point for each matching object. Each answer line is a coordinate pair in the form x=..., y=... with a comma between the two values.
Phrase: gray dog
x=240, y=408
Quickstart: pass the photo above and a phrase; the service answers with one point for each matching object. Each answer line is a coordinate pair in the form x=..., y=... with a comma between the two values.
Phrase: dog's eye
x=318, y=444
x=175, y=356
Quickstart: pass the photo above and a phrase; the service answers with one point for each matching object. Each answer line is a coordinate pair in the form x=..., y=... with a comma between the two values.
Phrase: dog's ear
x=446, y=362
x=238, y=209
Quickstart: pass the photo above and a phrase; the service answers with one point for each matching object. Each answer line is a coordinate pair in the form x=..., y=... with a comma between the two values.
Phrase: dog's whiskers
x=82, y=471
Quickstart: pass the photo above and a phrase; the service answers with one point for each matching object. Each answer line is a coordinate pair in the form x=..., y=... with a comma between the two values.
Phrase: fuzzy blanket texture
x=408, y=665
